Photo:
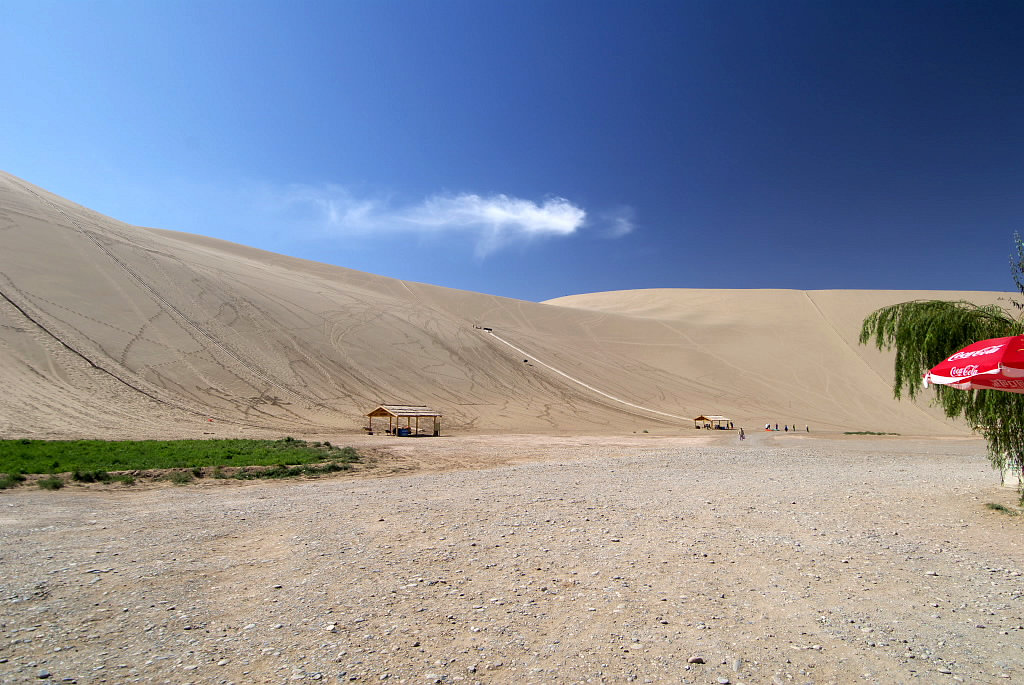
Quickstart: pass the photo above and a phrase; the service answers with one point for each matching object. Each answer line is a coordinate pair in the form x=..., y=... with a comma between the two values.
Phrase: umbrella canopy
x=994, y=364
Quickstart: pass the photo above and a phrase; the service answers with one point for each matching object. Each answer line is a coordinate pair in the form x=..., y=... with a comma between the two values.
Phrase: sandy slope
x=115, y=330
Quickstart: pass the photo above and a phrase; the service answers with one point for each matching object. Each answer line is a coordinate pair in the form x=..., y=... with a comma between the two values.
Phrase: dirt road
x=532, y=559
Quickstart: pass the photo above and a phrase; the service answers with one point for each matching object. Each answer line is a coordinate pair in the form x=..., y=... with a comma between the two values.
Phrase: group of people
x=785, y=428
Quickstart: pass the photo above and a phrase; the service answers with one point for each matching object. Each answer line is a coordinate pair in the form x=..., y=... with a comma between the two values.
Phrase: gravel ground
x=594, y=560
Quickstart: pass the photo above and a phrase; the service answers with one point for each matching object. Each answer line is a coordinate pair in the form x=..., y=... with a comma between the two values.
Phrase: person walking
x=742, y=436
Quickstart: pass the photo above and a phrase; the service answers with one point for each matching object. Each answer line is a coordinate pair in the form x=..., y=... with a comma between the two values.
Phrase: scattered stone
x=386, y=616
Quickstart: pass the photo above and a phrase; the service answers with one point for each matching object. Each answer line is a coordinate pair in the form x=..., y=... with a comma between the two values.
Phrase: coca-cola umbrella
x=994, y=364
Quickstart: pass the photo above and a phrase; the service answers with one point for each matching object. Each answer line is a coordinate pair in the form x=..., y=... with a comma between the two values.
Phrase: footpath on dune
x=585, y=385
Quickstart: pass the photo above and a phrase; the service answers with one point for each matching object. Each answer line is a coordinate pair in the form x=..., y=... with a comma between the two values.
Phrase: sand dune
x=108, y=329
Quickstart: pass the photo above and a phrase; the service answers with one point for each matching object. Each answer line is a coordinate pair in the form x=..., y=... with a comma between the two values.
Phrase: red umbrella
x=994, y=364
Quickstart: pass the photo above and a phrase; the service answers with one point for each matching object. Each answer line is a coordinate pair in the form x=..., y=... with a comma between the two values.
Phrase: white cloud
x=619, y=221
x=496, y=220
x=556, y=216
x=488, y=222
x=492, y=221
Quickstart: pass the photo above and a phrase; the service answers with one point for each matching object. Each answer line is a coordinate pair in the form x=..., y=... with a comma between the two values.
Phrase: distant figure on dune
x=742, y=436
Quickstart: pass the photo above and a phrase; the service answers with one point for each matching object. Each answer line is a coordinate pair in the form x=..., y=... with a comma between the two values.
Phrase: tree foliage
x=924, y=332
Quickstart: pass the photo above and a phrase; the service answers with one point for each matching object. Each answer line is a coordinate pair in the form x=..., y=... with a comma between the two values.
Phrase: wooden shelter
x=713, y=421
x=410, y=412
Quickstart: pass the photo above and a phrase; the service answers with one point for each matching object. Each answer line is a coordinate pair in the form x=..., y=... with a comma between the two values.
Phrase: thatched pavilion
x=412, y=413
x=713, y=421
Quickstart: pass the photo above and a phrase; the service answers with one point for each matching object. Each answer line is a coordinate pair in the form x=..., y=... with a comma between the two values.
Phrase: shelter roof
x=711, y=417
x=404, y=410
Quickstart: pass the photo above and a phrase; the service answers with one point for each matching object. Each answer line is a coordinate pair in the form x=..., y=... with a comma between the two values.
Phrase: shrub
x=52, y=483
x=9, y=480
x=180, y=477
x=995, y=506
x=867, y=433
x=126, y=479
x=347, y=455
x=280, y=471
x=91, y=476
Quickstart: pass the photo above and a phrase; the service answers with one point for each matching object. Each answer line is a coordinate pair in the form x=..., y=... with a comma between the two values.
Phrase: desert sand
x=570, y=526
x=117, y=330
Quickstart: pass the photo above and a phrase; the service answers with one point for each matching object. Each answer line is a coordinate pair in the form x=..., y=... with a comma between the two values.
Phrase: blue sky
x=537, y=149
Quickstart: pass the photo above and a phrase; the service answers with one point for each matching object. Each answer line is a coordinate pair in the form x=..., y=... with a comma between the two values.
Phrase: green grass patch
x=52, y=483
x=284, y=471
x=867, y=433
x=93, y=458
x=995, y=506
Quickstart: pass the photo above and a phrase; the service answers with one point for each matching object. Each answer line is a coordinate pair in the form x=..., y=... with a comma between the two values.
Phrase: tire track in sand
x=189, y=322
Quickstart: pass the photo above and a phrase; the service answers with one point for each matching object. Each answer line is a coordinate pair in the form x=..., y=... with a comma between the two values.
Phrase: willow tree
x=924, y=332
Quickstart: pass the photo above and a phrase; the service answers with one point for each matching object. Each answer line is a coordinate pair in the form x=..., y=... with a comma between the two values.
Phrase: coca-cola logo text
x=976, y=353
x=961, y=371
